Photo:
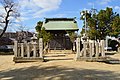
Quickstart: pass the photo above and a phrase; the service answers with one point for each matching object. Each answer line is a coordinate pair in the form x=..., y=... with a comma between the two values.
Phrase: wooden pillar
x=28, y=50
x=64, y=44
x=48, y=47
x=15, y=48
x=22, y=49
x=102, y=48
x=97, y=50
x=78, y=48
x=41, y=48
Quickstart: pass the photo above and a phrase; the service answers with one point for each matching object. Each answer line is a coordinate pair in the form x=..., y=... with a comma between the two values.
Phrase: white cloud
x=117, y=9
x=90, y=3
x=19, y=19
x=110, y=6
x=2, y=9
x=60, y=15
x=37, y=8
x=104, y=2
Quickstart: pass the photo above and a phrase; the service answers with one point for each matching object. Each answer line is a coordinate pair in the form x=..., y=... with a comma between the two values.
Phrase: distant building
x=7, y=40
x=23, y=35
x=10, y=35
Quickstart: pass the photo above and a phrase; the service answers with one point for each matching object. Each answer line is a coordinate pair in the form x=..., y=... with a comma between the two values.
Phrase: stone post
x=97, y=50
x=15, y=48
x=28, y=50
x=34, y=48
x=85, y=48
x=90, y=49
x=102, y=48
x=99, y=47
x=78, y=48
x=41, y=48
x=22, y=49
x=93, y=47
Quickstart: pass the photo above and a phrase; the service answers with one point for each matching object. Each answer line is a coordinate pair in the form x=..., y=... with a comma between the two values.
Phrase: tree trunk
x=5, y=28
x=6, y=23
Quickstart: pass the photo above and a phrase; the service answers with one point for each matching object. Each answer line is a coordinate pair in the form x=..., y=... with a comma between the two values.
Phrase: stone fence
x=28, y=51
x=92, y=50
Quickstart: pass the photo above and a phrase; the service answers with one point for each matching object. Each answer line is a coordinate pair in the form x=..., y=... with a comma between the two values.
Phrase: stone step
x=55, y=55
x=50, y=57
x=60, y=51
x=25, y=59
x=113, y=61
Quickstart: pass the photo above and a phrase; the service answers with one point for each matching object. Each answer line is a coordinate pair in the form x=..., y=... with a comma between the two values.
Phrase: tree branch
x=9, y=7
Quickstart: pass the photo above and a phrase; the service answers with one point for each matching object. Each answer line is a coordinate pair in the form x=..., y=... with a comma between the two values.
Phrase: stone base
x=108, y=60
x=93, y=59
x=60, y=51
x=112, y=61
x=25, y=59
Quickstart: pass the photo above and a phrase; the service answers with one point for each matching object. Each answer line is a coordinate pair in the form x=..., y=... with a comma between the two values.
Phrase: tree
x=10, y=12
x=115, y=25
x=103, y=23
x=47, y=36
x=72, y=35
x=39, y=26
x=42, y=33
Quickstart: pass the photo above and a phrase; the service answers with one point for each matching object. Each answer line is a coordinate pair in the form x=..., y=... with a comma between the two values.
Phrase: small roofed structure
x=59, y=27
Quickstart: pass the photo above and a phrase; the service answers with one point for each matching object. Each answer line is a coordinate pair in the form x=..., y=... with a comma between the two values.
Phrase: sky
x=32, y=11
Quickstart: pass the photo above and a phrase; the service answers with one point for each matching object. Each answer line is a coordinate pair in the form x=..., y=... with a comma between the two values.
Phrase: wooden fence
x=28, y=51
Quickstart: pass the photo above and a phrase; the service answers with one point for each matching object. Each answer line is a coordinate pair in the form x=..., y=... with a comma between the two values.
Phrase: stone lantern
x=34, y=39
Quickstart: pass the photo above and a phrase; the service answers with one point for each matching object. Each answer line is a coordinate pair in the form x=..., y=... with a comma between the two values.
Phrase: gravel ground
x=58, y=70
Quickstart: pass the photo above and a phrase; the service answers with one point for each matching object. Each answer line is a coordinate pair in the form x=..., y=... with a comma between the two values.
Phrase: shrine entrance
x=60, y=43
x=59, y=27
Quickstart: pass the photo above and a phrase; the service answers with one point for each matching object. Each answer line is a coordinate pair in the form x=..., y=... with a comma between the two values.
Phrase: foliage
x=101, y=24
x=72, y=35
x=47, y=36
x=42, y=33
x=115, y=31
x=10, y=12
x=39, y=26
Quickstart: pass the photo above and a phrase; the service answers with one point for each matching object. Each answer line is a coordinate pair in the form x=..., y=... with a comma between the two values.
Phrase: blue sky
x=33, y=11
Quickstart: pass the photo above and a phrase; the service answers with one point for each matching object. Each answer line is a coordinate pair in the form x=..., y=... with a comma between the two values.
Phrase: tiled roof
x=60, y=24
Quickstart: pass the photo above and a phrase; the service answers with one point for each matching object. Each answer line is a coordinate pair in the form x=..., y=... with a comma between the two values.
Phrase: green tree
x=39, y=28
x=103, y=23
x=115, y=26
x=72, y=35
x=42, y=33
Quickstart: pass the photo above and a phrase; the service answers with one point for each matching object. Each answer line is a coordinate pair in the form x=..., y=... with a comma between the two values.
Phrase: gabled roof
x=60, y=24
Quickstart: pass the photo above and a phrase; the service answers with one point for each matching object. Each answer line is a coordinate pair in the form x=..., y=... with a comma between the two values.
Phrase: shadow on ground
x=57, y=73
